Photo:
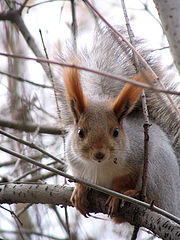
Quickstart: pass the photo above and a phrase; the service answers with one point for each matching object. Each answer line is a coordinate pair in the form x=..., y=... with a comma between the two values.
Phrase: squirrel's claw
x=114, y=204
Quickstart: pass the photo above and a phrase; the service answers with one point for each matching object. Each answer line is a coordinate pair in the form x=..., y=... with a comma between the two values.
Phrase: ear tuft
x=129, y=95
x=74, y=93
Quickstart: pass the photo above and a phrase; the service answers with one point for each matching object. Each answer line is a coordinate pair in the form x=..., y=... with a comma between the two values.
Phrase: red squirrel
x=105, y=142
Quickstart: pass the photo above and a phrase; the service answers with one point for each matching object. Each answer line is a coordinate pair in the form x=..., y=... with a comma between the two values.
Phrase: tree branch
x=104, y=74
x=60, y=195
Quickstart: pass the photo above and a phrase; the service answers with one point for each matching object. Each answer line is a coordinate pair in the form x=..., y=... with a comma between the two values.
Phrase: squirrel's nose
x=99, y=155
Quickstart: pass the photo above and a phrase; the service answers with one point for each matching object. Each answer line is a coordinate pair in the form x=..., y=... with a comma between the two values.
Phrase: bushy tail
x=165, y=114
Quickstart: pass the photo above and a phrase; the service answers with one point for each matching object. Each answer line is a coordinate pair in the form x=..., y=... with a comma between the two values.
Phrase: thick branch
x=55, y=194
x=35, y=193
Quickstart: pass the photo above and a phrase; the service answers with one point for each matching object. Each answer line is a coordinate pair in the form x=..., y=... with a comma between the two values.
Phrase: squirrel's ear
x=129, y=95
x=74, y=93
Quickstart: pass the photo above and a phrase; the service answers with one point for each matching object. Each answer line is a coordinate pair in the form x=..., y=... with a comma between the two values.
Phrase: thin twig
x=20, y=79
x=146, y=121
x=41, y=178
x=34, y=170
x=7, y=163
x=23, y=6
x=67, y=222
x=146, y=147
x=146, y=8
x=144, y=108
x=37, y=4
x=18, y=227
x=131, y=36
x=51, y=77
x=13, y=214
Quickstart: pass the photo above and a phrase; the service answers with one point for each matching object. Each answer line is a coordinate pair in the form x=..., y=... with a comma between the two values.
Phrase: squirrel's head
x=98, y=126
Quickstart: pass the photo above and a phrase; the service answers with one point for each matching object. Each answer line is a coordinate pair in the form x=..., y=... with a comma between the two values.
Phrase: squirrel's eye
x=81, y=133
x=116, y=132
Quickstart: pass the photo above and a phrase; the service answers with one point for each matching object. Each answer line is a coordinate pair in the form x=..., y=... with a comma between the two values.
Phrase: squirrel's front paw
x=79, y=199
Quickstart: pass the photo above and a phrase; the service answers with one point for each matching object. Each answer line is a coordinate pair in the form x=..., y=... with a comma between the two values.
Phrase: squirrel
x=105, y=140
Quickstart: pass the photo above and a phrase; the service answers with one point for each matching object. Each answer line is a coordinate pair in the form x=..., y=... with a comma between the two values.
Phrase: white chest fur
x=101, y=174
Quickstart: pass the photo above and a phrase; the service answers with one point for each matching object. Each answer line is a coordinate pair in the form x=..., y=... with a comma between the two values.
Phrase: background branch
x=29, y=127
